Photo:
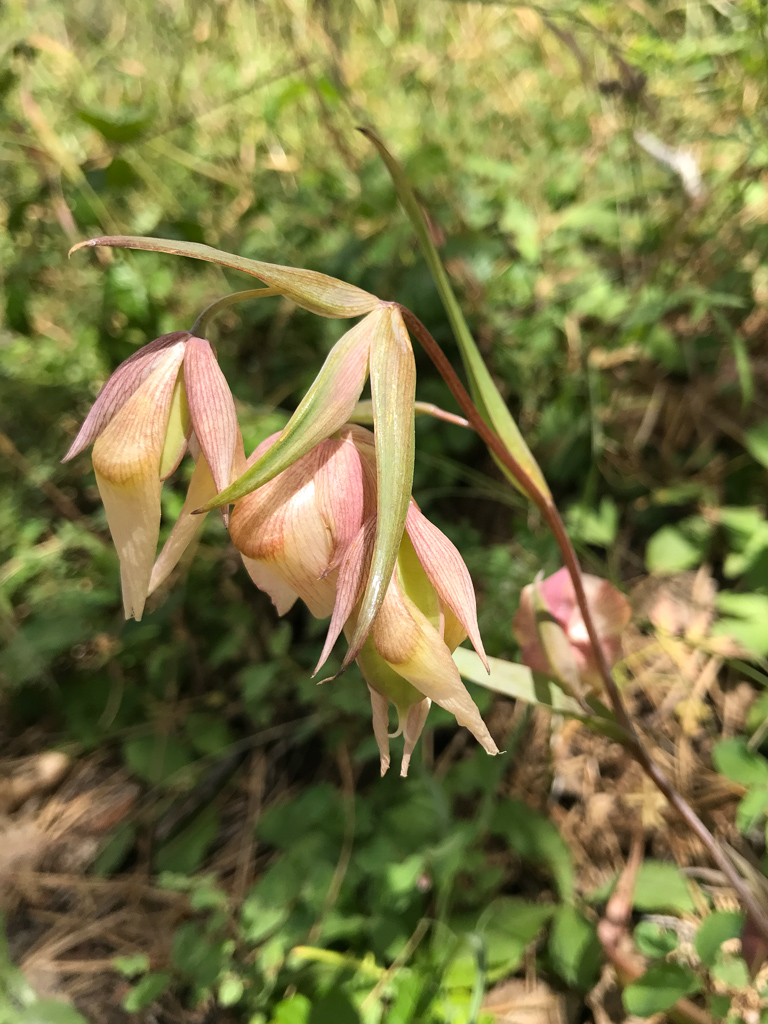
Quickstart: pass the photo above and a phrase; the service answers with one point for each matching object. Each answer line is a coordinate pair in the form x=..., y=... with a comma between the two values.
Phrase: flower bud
x=566, y=650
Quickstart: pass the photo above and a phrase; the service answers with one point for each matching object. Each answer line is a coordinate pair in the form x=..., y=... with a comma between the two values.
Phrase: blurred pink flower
x=553, y=600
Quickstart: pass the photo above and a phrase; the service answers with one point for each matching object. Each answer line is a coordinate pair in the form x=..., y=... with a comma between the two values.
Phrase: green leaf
x=594, y=526
x=485, y=394
x=662, y=886
x=293, y=1010
x=318, y=293
x=208, y=734
x=132, y=964
x=509, y=925
x=674, y=548
x=575, y=949
x=653, y=941
x=716, y=929
x=660, y=987
x=537, y=840
x=745, y=616
x=731, y=971
x=156, y=759
x=196, y=956
x=147, y=991
x=756, y=441
x=733, y=758
x=516, y=681
x=186, y=851
x=49, y=1011
x=119, y=129
x=752, y=809
x=231, y=991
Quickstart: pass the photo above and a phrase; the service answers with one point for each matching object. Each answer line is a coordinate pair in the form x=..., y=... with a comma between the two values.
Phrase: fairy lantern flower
x=552, y=634
x=169, y=395
x=310, y=532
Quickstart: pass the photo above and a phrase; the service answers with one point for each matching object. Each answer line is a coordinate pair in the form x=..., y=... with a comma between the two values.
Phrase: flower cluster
x=322, y=511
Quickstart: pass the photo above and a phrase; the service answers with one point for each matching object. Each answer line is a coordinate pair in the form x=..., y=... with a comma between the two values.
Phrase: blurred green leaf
x=716, y=929
x=660, y=987
x=574, y=948
x=661, y=886
x=537, y=840
x=150, y=988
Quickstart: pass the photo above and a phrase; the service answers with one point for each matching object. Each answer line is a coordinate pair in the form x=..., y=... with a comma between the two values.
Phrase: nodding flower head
x=310, y=533
x=568, y=654
x=168, y=396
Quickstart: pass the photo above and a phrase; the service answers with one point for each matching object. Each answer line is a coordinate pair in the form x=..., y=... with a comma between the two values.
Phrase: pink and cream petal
x=126, y=459
x=126, y=379
x=411, y=646
x=446, y=572
x=212, y=409
x=186, y=527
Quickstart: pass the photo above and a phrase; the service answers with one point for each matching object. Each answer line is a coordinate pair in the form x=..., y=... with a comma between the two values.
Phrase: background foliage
x=625, y=319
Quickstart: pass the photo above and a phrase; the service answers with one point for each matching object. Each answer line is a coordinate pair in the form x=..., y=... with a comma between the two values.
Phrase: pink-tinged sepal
x=126, y=459
x=447, y=572
x=211, y=409
x=125, y=380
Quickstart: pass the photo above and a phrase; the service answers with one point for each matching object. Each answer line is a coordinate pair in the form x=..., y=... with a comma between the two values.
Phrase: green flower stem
x=630, y=740
x=200, y=326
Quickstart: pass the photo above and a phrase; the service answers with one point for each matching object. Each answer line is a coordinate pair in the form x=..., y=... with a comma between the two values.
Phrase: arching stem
x=632, y=741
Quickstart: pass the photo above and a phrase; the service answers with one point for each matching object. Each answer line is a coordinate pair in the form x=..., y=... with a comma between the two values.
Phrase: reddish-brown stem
x=632, y=742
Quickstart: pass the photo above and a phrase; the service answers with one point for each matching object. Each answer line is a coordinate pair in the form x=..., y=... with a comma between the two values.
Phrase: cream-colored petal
x=186, y=527
x=281, y=595
x=412, y=730
x=380, y=708
x=126, y=459
x=413, y=648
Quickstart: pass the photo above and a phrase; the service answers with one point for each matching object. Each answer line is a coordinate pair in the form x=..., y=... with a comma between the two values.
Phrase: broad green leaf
x=324, y=409
x=516, y=681
x=49, y=1011
x=574, y=948
x=731, y=971
x=536, y=839
x=316, y=292
x=733, y=758
x=744, y=620
x=485, y=394
x=150, y=988
x=659, y=988
x=662, y=886
x=756, y=441
x=509, y=925
x=674, y=548
x=186, y=851
x=393, y=389
x=716, y=929
x=116, y=128
x=653, y=941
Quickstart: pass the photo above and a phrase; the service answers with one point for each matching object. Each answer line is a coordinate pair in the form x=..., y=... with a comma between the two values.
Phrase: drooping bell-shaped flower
x=552, y=635
x=377, y=347
x=169, y=395
x=310, y=533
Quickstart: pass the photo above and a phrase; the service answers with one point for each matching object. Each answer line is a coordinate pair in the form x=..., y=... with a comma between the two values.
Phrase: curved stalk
x=632, y=742
x=200, y=326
